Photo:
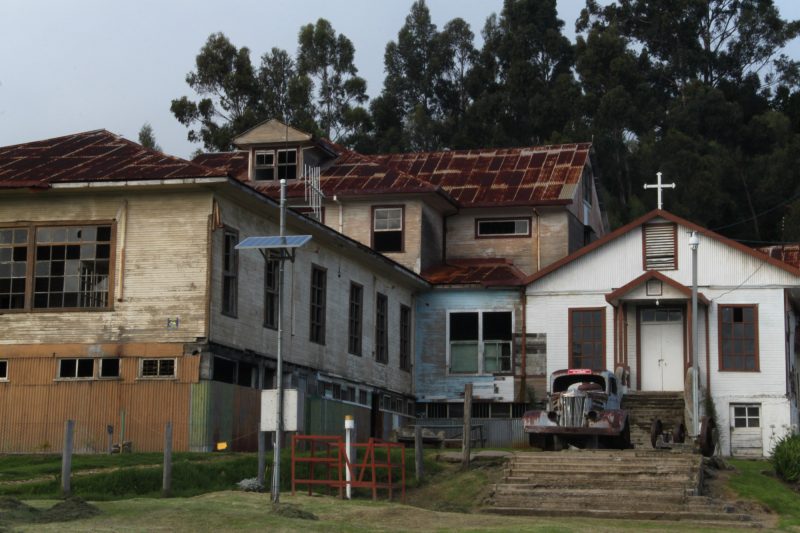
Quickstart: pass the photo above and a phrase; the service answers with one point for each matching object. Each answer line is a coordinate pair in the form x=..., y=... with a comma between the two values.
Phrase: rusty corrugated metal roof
x=90, y=156
x=472, y=178
x=788, y=253
x=474, y=271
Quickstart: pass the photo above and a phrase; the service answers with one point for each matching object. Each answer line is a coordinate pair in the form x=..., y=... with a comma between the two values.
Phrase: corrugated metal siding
x=498, y=432
x=326, y=417
x=221, y=412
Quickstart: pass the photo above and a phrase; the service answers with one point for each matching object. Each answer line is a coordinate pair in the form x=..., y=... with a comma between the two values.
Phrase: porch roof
x=615, y=296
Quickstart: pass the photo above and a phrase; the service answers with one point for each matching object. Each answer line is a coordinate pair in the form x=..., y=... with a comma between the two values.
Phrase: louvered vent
x=659, y=247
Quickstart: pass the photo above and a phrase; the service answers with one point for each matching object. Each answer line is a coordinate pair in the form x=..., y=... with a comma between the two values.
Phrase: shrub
x=786, y=458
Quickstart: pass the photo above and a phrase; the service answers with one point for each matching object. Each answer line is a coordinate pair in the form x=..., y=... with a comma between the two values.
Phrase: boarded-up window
x=660, y=247
x=738, y=337
x=587, y=338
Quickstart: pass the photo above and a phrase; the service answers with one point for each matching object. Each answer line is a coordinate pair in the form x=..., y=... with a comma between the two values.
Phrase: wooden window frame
x=572, y=311
x=674, y=245
x=313, y=324
x=230, y=274
x=30, y=273
x=381, y=328
x=173, y=376
x=279, y=165
x=257, y=167
x=100, y=362
x=272, y=293
x=500, y=235
x=355, y=320
x=372, y=231
x=4, y=367
x=481, y=343
x=720, y=343
x=76, y=377
x=405, y=338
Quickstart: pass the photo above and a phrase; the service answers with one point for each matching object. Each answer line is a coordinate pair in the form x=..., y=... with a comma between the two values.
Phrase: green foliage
x=786, y=458
x=147, y=138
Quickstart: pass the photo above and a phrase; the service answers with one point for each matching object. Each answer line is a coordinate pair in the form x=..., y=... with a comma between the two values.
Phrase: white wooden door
x=746, y=430
x=661, y=336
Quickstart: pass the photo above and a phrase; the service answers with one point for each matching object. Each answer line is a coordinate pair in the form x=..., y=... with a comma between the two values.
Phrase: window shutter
x=659, y=246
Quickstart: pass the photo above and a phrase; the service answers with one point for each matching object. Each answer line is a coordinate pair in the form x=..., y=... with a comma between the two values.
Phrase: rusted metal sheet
x=488, y=271
x=788, y=253
x=90, y=156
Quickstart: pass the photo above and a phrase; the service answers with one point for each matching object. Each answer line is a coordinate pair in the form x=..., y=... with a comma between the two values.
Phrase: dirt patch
x=13, y=511
x=289, y=510
x=458, y=491
x=70, y=509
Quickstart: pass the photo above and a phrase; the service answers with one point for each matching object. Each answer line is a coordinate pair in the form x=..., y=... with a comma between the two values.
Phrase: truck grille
x=572, y=410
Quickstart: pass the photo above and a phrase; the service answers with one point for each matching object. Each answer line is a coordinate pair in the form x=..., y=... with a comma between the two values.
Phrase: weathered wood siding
x=246, y=331
x=433, y=382
x=162, y=274
x=356, y=223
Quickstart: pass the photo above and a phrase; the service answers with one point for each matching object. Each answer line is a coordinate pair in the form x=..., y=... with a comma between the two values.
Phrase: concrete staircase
x=644, y=407
x=619, y=484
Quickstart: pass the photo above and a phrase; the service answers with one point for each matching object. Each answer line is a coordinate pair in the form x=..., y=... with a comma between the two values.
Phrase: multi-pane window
x=405, y=337
x=381, y=328
x=75, y=368
x=264, y=165
x=317, y=323
x=271, y=293
x=13, y=267
x=157, y=368
x=354, y=319
x=738, y=337
x=503, y=227
x=287, y=164
x=387, y=229
x=746, y=416
x=587, y=338
x=230, y=272
x=480, y=342
x=3, y=370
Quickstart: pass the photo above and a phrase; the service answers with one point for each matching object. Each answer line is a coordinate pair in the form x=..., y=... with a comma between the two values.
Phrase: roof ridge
x=58, y=137
x=487, y=149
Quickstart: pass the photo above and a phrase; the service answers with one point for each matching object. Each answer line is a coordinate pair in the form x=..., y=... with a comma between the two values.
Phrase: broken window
x=109, y=367
x=503, y=227
x=738, y=333
x=587, y=338
x=3, y=369
x=387, y=229
x=13, y=267
x=480, y=342
x=230, y=272
x=317, y=323
x=271, y=293
x=354, y=319
x=157, y=368
x=405, y=337
x=76, y=368
x=381, y=328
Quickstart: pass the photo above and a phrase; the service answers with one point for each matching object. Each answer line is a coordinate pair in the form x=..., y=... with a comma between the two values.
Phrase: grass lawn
x=754, y=480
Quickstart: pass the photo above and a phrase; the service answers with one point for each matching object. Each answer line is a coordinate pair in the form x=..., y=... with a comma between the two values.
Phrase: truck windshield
x=561, y=383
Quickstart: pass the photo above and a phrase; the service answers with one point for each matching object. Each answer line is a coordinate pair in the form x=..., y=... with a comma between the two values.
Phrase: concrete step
x=707, y=518
x=527, y=484
x=658, y=503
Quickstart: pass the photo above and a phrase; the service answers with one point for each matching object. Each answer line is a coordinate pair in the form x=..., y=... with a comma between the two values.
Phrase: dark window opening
x=230, y=273
x=387, y=229
x=269, y=379
x=405, y=338
x=287, y=164
x=109, y=367
x=246, y=375
x=587, y=339
x=480, y=410
x=3, y=369
x=76, y=368
x=354, y=319
x=504, y=227
x=13, y=268
x=264, y=166
x=317, y=323
x=271, y=293
x=224, y=370
x=381, y=328
x=362, y=397
x=738, y=331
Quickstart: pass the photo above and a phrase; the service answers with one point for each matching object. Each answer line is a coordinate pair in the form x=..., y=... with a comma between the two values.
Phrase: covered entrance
x=661, y=334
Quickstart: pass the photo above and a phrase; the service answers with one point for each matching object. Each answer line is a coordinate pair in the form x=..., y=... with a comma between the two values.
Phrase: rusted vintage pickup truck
x=583, y=410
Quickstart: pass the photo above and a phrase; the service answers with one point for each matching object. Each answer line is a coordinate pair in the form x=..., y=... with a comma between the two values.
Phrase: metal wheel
x=707, y=436
x=679, y=435
x=656, y=429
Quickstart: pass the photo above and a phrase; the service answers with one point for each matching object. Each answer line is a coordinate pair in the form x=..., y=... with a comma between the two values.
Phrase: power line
x=757, y=215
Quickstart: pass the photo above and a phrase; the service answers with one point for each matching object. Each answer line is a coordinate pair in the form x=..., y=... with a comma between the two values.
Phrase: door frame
x=639, y=308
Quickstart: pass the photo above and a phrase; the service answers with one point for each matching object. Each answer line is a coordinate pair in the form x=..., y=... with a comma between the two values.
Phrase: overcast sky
x=75, y=65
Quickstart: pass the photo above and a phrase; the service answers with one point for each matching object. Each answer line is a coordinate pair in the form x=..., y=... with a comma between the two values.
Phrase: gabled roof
x=485, y=272
x=613, y=296
x=90, y=156
x=657, y=213
x=271, y=131
x=496, y=177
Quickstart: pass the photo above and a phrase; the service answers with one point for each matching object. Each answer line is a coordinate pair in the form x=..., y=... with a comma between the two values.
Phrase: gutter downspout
x=122, y=216
x=523, y=384
x=538, y=241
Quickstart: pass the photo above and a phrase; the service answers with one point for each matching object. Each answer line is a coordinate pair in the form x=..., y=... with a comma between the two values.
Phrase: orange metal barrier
x=330, y=452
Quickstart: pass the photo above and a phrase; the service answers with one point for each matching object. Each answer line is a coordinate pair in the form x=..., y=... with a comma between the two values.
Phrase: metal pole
x=276, y=458
x=694, y=242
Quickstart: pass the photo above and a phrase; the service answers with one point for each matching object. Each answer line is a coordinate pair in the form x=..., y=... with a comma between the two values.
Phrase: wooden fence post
x=66, y=459
x=466, y=443
x=262, y=456
x=418, y=458
x=166, y=484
